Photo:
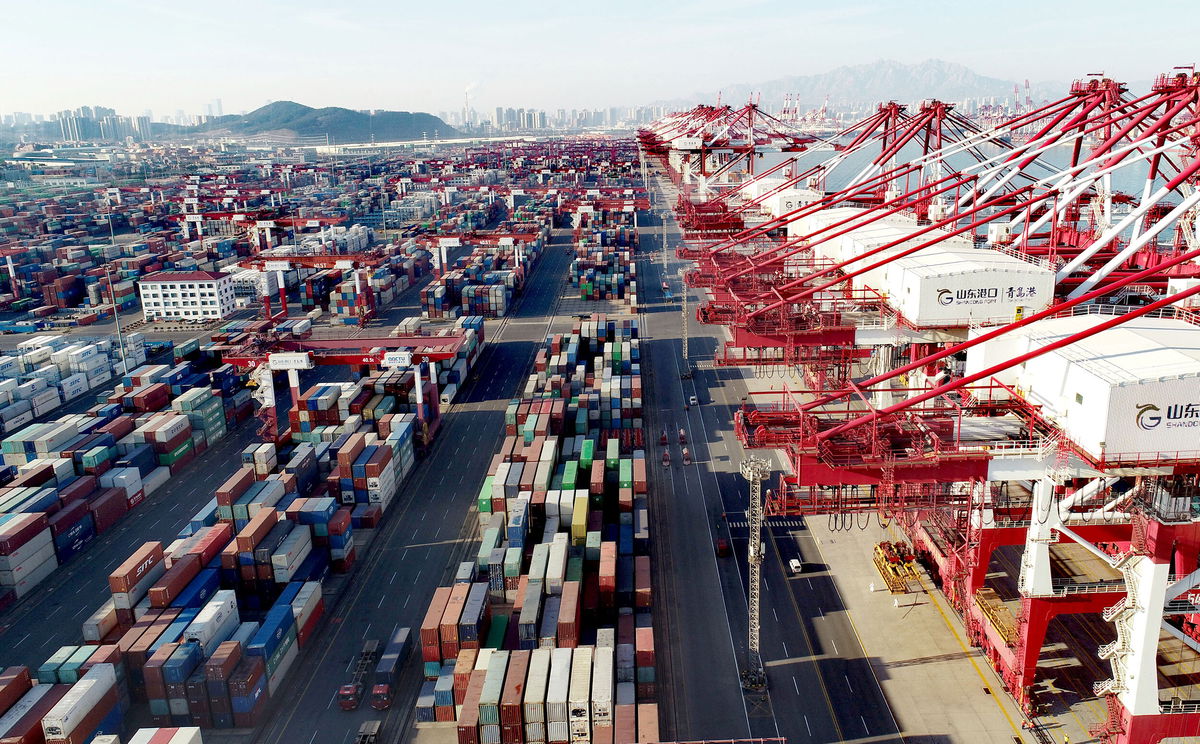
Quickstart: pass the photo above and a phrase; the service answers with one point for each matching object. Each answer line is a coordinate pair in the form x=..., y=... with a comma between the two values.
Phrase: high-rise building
x=141, y=128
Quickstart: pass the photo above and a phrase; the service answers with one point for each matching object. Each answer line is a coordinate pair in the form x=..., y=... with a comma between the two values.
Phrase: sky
x=137, y=55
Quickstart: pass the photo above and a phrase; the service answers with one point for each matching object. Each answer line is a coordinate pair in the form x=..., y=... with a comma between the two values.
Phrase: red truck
x=350, y=694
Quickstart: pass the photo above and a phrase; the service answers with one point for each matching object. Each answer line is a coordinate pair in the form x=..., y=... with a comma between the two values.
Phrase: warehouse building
x=186, y=295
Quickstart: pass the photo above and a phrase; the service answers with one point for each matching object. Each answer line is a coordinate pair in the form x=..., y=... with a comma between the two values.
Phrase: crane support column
x=755, y=470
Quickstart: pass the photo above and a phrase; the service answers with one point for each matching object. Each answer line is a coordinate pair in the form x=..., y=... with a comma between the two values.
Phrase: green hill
x=340, y=124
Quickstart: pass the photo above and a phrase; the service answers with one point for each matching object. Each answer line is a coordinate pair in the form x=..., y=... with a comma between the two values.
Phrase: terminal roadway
x=821, y=686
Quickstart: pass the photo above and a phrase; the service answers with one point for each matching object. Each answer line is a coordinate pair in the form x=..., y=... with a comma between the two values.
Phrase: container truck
x=389, y=666
x=350, y=694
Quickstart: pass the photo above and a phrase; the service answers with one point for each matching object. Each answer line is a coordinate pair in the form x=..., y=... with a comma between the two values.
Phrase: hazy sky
x=177, y=54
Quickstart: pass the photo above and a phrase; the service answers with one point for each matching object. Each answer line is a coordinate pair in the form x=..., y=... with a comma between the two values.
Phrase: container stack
x=73, y=479
x=604, y=275
x=206, y=628
x=482, y=283
x=352, y=301
x=548, y=635
x=48, y=371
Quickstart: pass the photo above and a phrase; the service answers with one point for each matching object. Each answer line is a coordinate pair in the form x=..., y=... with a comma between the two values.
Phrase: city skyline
x=138, y=66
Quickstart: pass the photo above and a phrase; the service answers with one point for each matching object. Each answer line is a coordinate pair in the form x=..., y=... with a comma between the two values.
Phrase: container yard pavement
x=429, y=530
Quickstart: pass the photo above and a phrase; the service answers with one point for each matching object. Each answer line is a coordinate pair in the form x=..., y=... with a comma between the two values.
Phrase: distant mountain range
x=885, y=80
x=343, y=126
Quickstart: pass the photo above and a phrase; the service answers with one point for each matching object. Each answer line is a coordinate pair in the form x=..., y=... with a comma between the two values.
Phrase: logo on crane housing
x=1148, y=417
x=1177, y=416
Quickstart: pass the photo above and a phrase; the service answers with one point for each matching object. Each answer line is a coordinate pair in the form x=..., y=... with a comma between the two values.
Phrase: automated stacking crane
x=267, y=353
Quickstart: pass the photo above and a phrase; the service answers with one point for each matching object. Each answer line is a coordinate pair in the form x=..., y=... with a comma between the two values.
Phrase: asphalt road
x=429, y=530
x=821, y=686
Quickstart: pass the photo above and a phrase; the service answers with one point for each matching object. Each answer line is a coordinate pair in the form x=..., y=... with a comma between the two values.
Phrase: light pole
x=112, y=293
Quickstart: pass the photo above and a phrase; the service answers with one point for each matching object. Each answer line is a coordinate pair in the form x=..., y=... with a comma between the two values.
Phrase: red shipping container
x=108, y=506
x=513, y=694
x=246, y=676
x=303, y=633
x=644, y=647
x=295, y=508
x=568, y=616
x=223, y=662
x=28, y=729
x=128, y=574
x=214, y=541
x=174, y=581
x=14, y=683
x=448, y=628
x=229, y=556
x=647, y=723
x=625, y=724
x=37, y=476
x=64, y=519
x=17, y=531
x=139, y=652
x=131, y=636
x=108, y=653
x=258, y=527
x=120, y=427
x=464, y=665
x=340, y=521
x=641, y=581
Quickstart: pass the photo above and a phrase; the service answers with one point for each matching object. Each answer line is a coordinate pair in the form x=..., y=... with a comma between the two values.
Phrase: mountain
x=342, y=125
x=858, y=85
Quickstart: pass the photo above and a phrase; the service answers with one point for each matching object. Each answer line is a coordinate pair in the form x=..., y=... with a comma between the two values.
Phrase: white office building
x=187, y=295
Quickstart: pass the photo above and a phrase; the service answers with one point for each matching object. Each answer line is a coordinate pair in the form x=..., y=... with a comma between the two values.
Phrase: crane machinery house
x=187, y=295
x=1126, y=394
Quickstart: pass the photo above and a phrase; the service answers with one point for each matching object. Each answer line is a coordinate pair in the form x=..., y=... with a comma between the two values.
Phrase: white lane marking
x=18, y=643
x=776, y=614
x=785, y=651
x=847, y=678
x=865, y=727
x=796, y=685
x=381, y=598
x=406, y=600
x=835, y=650
x=807, y=726
x=393, y=579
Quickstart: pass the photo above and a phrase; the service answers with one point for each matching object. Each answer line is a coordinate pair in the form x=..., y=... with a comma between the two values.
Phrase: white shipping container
x=535, y=732
x=292, y=558
x=32, y=561
x=215, y=622
x=183, y=735
x=579, y=700
x=306, y=602
x=34, y=576
x=83, y=696
x=537, y=676
x=101, y=622
x=602, y=686
x=156, y=479
x=127, y=478
x=558, y=731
